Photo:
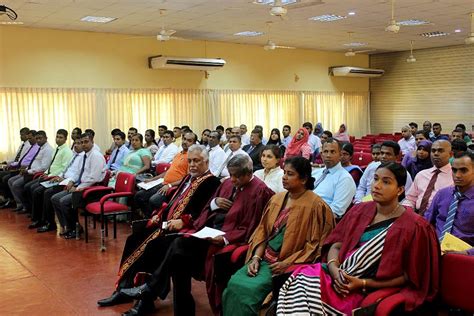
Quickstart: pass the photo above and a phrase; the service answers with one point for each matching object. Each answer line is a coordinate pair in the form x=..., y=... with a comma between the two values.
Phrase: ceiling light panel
x=434, y=34
x=327, y=18
x=413, y=22
x=355, y=44
x=249, y=33
x=272, y=2
x=97, y=19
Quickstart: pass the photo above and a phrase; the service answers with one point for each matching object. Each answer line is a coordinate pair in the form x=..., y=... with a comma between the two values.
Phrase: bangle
x=257, y=257
x=364, y=284
x=331, y=261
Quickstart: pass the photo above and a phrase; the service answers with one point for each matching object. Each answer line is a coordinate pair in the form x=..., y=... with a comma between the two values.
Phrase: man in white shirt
x=166, y=152
x=92, y=171
x=313, y=140
x=234, y=131
x=286, y=131
x=23, y=148
x=243, y=135
x=161, y=131
x=407, y=142
x=217, y=156
x=235, y=149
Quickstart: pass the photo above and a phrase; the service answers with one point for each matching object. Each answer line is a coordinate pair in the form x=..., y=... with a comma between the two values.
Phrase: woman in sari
x=292, y=231
x=377, y=244
x=271, y=173
x=298, y=145
x=346, y=156
x=342, y=135
x=421, y=161
x=150, y=142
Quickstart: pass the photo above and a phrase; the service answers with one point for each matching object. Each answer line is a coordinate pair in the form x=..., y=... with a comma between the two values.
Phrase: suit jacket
x=255, y=155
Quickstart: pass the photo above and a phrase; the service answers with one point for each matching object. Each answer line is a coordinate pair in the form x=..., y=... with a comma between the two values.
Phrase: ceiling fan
x=280, y=7
x=393, y=27
x=470, y=39
x=411, y=58
x=351, y=52
x=270, y=45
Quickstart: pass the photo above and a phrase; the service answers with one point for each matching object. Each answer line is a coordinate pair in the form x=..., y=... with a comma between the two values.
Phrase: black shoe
x=35, y=224
x=115, y=299
x=6, y=204
x=46, y=228
x=141, y=307
x=137, y=292
x=23, y=211
x=71, y=235
x=18, y=208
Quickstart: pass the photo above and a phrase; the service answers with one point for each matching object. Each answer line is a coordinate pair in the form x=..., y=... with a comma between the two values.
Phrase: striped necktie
x=453, y=207
x=321, y=179
x=17, y=157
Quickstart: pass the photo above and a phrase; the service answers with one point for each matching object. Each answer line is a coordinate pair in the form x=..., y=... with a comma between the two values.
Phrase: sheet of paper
x=64, y=182
x=48, y=184
x=151, y=184
x=208, y=232
x=453, y=243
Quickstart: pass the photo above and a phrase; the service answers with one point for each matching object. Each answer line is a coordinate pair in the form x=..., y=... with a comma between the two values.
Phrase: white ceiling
x=218, y=20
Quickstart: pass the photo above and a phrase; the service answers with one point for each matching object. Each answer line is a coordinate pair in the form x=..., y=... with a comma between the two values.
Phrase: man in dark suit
x=254, y=149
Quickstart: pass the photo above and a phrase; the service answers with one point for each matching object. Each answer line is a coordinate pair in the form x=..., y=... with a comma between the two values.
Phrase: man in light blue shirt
x=333, y=183
x=120, y=151
x=286, y=135
x=388, y=153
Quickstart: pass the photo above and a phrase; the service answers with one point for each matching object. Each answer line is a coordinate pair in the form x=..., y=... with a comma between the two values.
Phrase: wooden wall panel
x=438, y=87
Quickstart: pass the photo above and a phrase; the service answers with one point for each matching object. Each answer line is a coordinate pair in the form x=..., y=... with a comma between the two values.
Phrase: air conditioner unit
x=348, y=71
x=166, y=62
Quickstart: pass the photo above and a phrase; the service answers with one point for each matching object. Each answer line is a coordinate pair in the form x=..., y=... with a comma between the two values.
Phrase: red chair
x=457, y=278
x=105, y=207
x=363, y=149
x=162, y=167
x=361, y=159
x=352, y=139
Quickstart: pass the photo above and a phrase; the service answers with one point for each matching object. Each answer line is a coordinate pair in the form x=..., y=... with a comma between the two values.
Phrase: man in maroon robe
x=236, y=210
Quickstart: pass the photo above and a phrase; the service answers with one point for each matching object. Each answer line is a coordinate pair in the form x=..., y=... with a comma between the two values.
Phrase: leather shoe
x=18, y=208
x=46, y=228
x=6, y=204
x=137, y=292
x=141, y=307
x=34, y=225
x=71, y=234
x=115, y=299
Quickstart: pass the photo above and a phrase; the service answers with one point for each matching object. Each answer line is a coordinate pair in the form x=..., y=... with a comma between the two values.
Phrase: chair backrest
x=125, y=182
x=361, y=159
x=457, y=278
x=162, y=167
x=105, y=181
x=363, y=149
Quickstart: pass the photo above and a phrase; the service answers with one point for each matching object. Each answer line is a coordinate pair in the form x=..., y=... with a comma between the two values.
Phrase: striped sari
x=309, y=289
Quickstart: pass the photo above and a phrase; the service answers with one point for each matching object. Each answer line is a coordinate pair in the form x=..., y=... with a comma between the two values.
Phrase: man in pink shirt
x=429, y=181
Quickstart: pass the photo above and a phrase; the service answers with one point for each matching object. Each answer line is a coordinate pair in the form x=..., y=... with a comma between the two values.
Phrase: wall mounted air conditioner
x=167, y=62
x=348, y=71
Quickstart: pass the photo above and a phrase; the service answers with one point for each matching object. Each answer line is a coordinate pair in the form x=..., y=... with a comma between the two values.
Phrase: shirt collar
x=468, y=194
x=444, y=169
x=335, y=168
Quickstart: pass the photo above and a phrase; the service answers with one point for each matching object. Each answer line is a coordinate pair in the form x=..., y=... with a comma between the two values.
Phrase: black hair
x=398, y=171
x=287, y=126
x=461, y=126
x=186, y=127
x=274, y=149
x=413, y=124
x=274, y=142
x=78, y=130
x=62, y=131
x=465, y=154
x=24, y=130
x=436, y=124
x=425, y=134
x=41, y=133
x=258, y=132
x=303, y=168
x=169, y=132
x=393, y=145
x=32, y=132
x=308, y=124
x=120, y=134
x=152, y=134
x=237, y=137
x=133, y=129
x=375, y=146
x=176, y=127
x=458, y=145
x=206, y=130
x=86, y=134
x=229, y=129
x=348, y=147
x=140, y=137
x=220, y=127
x=115, y=131
x=90, y=132
x=163, y=127
x=329, y=133
x=331, y=140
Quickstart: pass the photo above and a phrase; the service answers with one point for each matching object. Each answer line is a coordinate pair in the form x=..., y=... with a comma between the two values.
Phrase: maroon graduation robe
x=410, y=247
x=239, y=224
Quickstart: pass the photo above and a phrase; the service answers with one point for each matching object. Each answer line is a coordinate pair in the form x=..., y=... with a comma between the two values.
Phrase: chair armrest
x=114, y=195
x=38, y=174
x=96, y=190
x=379, y=295
x=389, y=304
x=239, y=253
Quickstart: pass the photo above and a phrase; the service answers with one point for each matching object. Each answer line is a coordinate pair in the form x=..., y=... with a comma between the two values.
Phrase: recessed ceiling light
x=98, y=19
x=327, y=18
x=11, y=23
x=248, y=33
x=272, y=2
x=355, y=44
x=413, y=22
x=351, y=13
x=457, y=31
x=434, y=34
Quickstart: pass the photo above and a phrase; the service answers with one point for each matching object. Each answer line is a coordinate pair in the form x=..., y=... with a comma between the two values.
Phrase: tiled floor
x=43, y=274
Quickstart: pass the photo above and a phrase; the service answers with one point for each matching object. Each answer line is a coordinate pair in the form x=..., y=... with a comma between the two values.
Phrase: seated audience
x=150, y=142
x=131, y=131
x=168, y=151
x=286, y=131
x=429, y=181
x=342, y=134
x=243, y=135
x=419, y=136
x=161, y=130
x=347, y=152
x=427, y=129
x=260, y=128
x=275, y=139
x=333, y=183
x=378, y=244
x=217, y=156
x=75, y=134
x=205, y=137
x=457, y=134
x=119, y=152
x=92, y=134
x=292, y=231
x=389, y=152
x=236, y=209
x=235, y=148
x=466, y=137
x=177, y=136
x=271, y=174
x=220, y=130
x=318, y=129
x=437, y=133
x=92, y=171
x=407, y=142
x=375, y=151
x=254, y=149
x=228, y=133
x=452, y=208
x=421, y=161
x=145, y=249
x=313, y=141
x=413, y=128
x=234, y=131
x=317, y=160
x=113, y=145
x=457, y=146
x=299, y=145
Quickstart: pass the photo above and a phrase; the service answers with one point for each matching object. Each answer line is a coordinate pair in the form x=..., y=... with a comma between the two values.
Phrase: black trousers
x=4, y=188
x=184, y=259
x=47, y=210
x=27, y=200
x=149, y=200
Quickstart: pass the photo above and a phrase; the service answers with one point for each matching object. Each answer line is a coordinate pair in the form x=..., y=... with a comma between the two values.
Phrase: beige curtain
x=105, y=109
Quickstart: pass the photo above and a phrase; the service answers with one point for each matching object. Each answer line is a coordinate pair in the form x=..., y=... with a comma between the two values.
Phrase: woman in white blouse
x=271, y=173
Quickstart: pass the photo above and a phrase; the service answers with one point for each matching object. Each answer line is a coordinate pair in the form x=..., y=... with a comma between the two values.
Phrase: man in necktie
x=119, y=152
x=429, y=181
x=452, y=208
x=254, y=149
x=92, y=171
x=234, y=145
x=333, y=183
x=33, y=197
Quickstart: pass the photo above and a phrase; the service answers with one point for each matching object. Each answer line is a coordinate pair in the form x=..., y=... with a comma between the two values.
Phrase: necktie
x=82, y=170
x=453, y=207
x=250, y=149
x=19, y=162
x=34, y=157
x=115, y=156
x=224, y=164
x=70, y=164
x=428, y=192
x=321, y=179
x=54, y=157
x=17, y=157
x=233, y=194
